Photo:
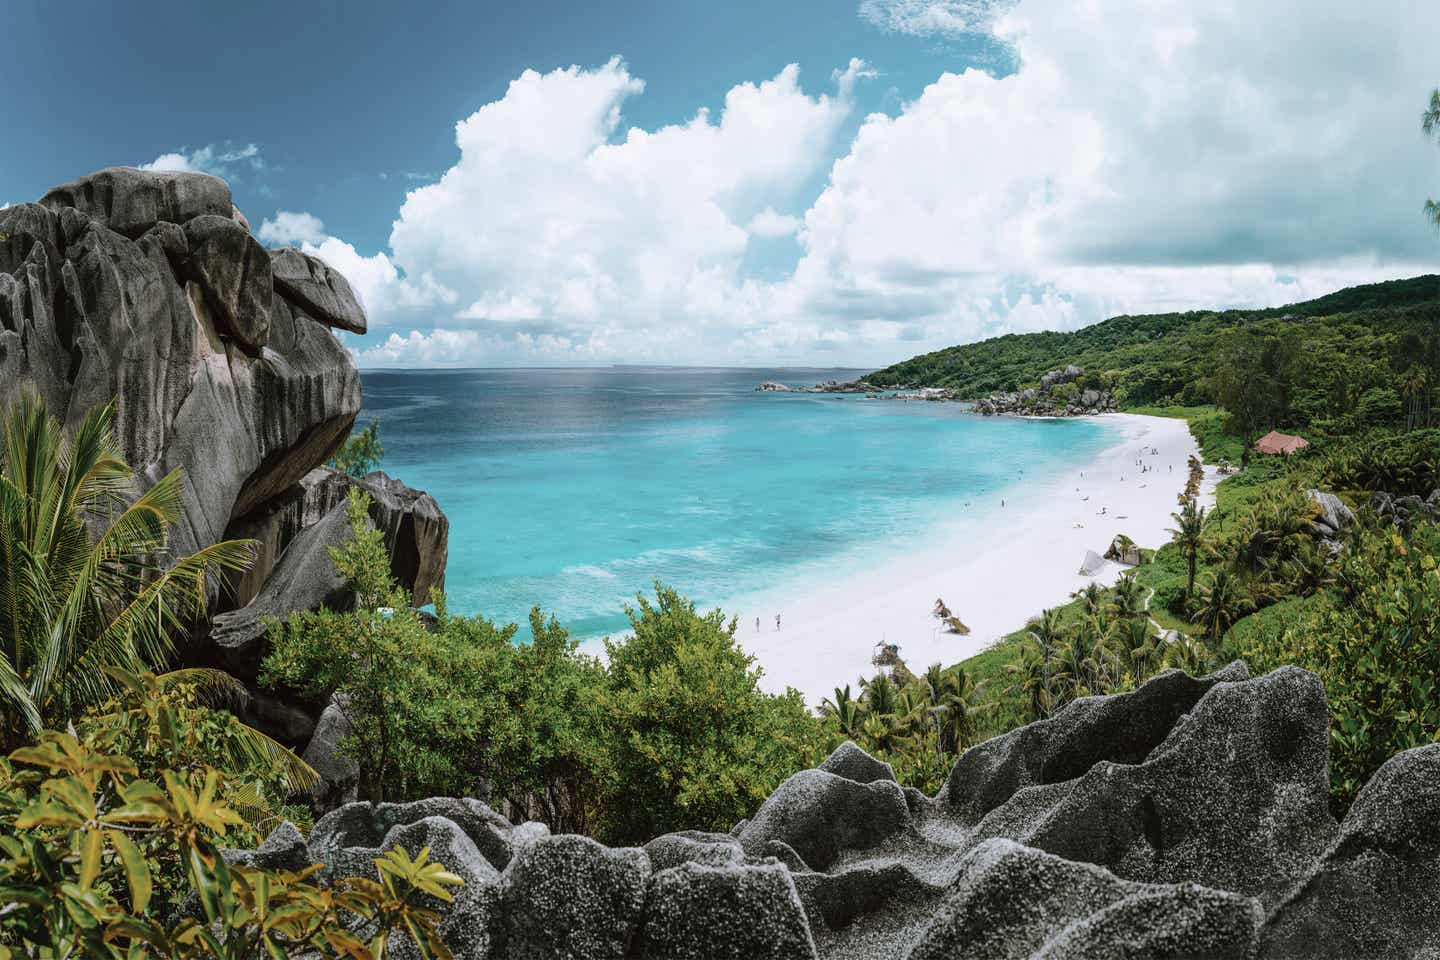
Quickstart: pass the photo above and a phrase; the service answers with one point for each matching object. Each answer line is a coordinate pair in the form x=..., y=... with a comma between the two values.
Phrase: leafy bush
x=91, y=850
x=361, y=452
x=1401, y=464
x=694, y=742
x=407, y=692
x=1376, y=644
x=673, y=733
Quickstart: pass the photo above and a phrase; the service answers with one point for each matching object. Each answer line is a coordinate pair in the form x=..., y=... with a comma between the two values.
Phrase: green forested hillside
x=1345, y=354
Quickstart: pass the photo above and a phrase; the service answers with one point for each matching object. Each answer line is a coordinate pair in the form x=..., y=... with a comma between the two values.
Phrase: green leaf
x=137, y=871
x=91, y=847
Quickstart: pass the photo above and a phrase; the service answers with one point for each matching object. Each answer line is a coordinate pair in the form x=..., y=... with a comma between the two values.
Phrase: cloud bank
x=1144, y=156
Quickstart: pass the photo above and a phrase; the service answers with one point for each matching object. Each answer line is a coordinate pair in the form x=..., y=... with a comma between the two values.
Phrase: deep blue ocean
x=575, y=489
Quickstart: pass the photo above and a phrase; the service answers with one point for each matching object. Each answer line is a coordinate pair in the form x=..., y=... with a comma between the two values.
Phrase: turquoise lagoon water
x=576, y=488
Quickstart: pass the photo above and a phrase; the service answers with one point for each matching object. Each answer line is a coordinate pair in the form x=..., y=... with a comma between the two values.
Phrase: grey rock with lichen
x=738, y=912
x=1375, y=892
x=853, y=763
x=1185, y=819
x=568, y=896
x=819, y=814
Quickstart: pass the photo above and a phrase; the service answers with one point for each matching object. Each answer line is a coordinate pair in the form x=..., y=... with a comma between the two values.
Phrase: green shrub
x=95, y=858
x=1376, y=644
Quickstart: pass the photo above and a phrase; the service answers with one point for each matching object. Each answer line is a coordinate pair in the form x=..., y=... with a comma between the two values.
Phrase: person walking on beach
x=777, y=621
x=757, y=624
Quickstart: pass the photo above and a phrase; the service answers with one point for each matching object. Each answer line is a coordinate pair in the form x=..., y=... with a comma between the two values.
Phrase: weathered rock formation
x=147, y=289
x=1046, y=401
x=1187, y=819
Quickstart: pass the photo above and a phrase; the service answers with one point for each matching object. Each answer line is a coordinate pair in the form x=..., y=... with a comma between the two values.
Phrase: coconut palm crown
x=87, y=585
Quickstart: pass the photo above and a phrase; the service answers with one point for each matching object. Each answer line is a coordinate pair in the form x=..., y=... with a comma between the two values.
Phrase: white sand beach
x=993, y=573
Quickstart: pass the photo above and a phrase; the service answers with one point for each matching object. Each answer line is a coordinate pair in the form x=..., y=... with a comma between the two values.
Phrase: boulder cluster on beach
x=1188, y=818
x=1044, y=401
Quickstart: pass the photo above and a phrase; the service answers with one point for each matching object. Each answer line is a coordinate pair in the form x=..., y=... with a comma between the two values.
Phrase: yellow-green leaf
x=137, y=871
x=91, y=846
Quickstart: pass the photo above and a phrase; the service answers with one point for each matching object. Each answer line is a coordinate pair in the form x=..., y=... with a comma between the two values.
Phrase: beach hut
x=1276, y=442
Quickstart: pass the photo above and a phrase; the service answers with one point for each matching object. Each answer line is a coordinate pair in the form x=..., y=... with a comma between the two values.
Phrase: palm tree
x=1415, y=388
x=1189, y=537
x=848, y=712
x=880, y=695
x=1125, y=598
x=1222, y=602
x=1091, y=597
x=954, y=699
x=75, y=610
x=1188, y=654
x=1035, y=671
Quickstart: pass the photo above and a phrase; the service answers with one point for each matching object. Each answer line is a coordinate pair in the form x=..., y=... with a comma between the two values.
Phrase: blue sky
x=814, y=182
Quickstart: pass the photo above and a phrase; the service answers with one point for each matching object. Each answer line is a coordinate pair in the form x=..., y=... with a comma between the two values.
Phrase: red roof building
x=1277, y=442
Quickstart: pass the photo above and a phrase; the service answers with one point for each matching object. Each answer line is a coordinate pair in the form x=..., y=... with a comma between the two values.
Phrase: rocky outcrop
x=829, y=386
x=1185, y=819
x=141, y=288
x=1405, y=511
x=148, y=290
x=1049, y=399
x=417, y=532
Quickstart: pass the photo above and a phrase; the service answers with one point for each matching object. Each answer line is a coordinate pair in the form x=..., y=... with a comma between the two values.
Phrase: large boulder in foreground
x=1186, y=820
x=148, y=290
x=1375, y=893
x=140, y=287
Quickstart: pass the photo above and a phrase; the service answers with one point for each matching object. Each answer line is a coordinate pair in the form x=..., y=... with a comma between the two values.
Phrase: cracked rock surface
x=1185, y=819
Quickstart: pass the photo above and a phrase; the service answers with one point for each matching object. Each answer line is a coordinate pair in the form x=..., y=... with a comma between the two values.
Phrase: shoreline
x=994, y=570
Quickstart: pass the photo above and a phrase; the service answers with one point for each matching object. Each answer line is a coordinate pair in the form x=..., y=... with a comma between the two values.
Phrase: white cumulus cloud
x=929, y=17
x=290, y=228
x=1144, y=155
x=558, y=214
x=768, y=223
x=221, y=160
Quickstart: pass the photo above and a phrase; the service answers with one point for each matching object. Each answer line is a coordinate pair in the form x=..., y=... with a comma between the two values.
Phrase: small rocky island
x=1187, y=819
